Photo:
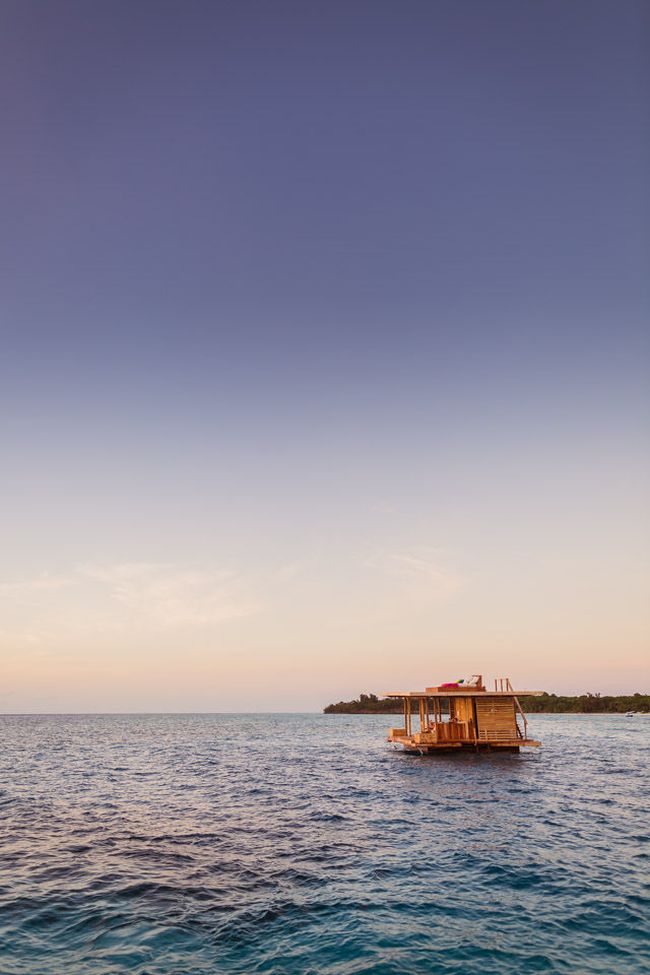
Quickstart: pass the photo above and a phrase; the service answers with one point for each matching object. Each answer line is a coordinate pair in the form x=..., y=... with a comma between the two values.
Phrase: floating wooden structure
x=463, y=715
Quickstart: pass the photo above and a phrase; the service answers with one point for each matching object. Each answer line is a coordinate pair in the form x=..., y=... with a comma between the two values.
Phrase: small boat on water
x=463, y=714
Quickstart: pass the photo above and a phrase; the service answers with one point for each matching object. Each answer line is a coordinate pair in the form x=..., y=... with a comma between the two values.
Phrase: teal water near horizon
x=209, y=844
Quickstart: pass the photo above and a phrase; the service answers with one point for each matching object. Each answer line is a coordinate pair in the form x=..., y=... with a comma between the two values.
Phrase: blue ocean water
x=207, y=844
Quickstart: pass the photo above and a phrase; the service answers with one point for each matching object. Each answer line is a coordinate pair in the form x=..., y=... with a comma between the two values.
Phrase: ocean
x=208, y=844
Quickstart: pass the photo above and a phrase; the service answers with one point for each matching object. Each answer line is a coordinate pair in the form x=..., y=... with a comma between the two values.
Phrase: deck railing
x=523, y=735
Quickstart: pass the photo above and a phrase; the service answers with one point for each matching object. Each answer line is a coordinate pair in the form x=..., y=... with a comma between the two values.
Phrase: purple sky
x=320, y=286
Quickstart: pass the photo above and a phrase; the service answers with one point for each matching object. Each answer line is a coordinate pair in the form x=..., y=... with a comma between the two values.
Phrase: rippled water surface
x=196, y=844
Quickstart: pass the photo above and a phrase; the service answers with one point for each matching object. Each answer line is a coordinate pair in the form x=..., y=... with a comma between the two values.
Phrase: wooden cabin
x=463, y=714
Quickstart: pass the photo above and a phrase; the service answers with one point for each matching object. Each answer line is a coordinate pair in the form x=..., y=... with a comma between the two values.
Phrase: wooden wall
x=496, y=719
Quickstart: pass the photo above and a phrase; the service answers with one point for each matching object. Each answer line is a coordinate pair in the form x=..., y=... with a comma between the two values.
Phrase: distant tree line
x=366, y=704
x=546, y=703
x=586, y=704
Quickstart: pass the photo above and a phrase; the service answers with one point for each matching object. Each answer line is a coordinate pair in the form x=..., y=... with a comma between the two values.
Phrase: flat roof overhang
x=468, y=693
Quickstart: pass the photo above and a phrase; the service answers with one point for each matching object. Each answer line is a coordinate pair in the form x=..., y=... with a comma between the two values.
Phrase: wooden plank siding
x=496, y=719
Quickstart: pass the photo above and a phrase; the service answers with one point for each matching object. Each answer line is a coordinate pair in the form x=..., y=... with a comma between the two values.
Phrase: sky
x=324, y=350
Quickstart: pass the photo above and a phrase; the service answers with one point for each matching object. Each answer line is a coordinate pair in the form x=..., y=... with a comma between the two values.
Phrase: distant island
x=546, y=703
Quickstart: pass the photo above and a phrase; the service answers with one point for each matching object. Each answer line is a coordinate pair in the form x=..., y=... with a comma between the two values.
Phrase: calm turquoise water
x=303, y=843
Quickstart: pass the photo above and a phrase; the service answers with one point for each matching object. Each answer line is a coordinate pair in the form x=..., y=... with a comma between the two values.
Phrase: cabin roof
x=470, y=692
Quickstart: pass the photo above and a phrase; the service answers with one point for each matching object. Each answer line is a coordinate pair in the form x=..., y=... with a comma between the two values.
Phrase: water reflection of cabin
x=463, y=715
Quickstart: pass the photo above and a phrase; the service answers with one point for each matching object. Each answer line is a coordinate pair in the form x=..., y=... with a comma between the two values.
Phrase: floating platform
x=463, y=715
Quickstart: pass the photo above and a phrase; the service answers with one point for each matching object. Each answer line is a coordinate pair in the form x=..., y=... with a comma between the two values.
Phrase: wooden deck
x=429, y=741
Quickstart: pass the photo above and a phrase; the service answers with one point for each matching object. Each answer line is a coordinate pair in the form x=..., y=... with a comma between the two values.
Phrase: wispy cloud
x=422, y=575
x=289, y=571
x=21, y=588
x=155, y=595
x=175, y=596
